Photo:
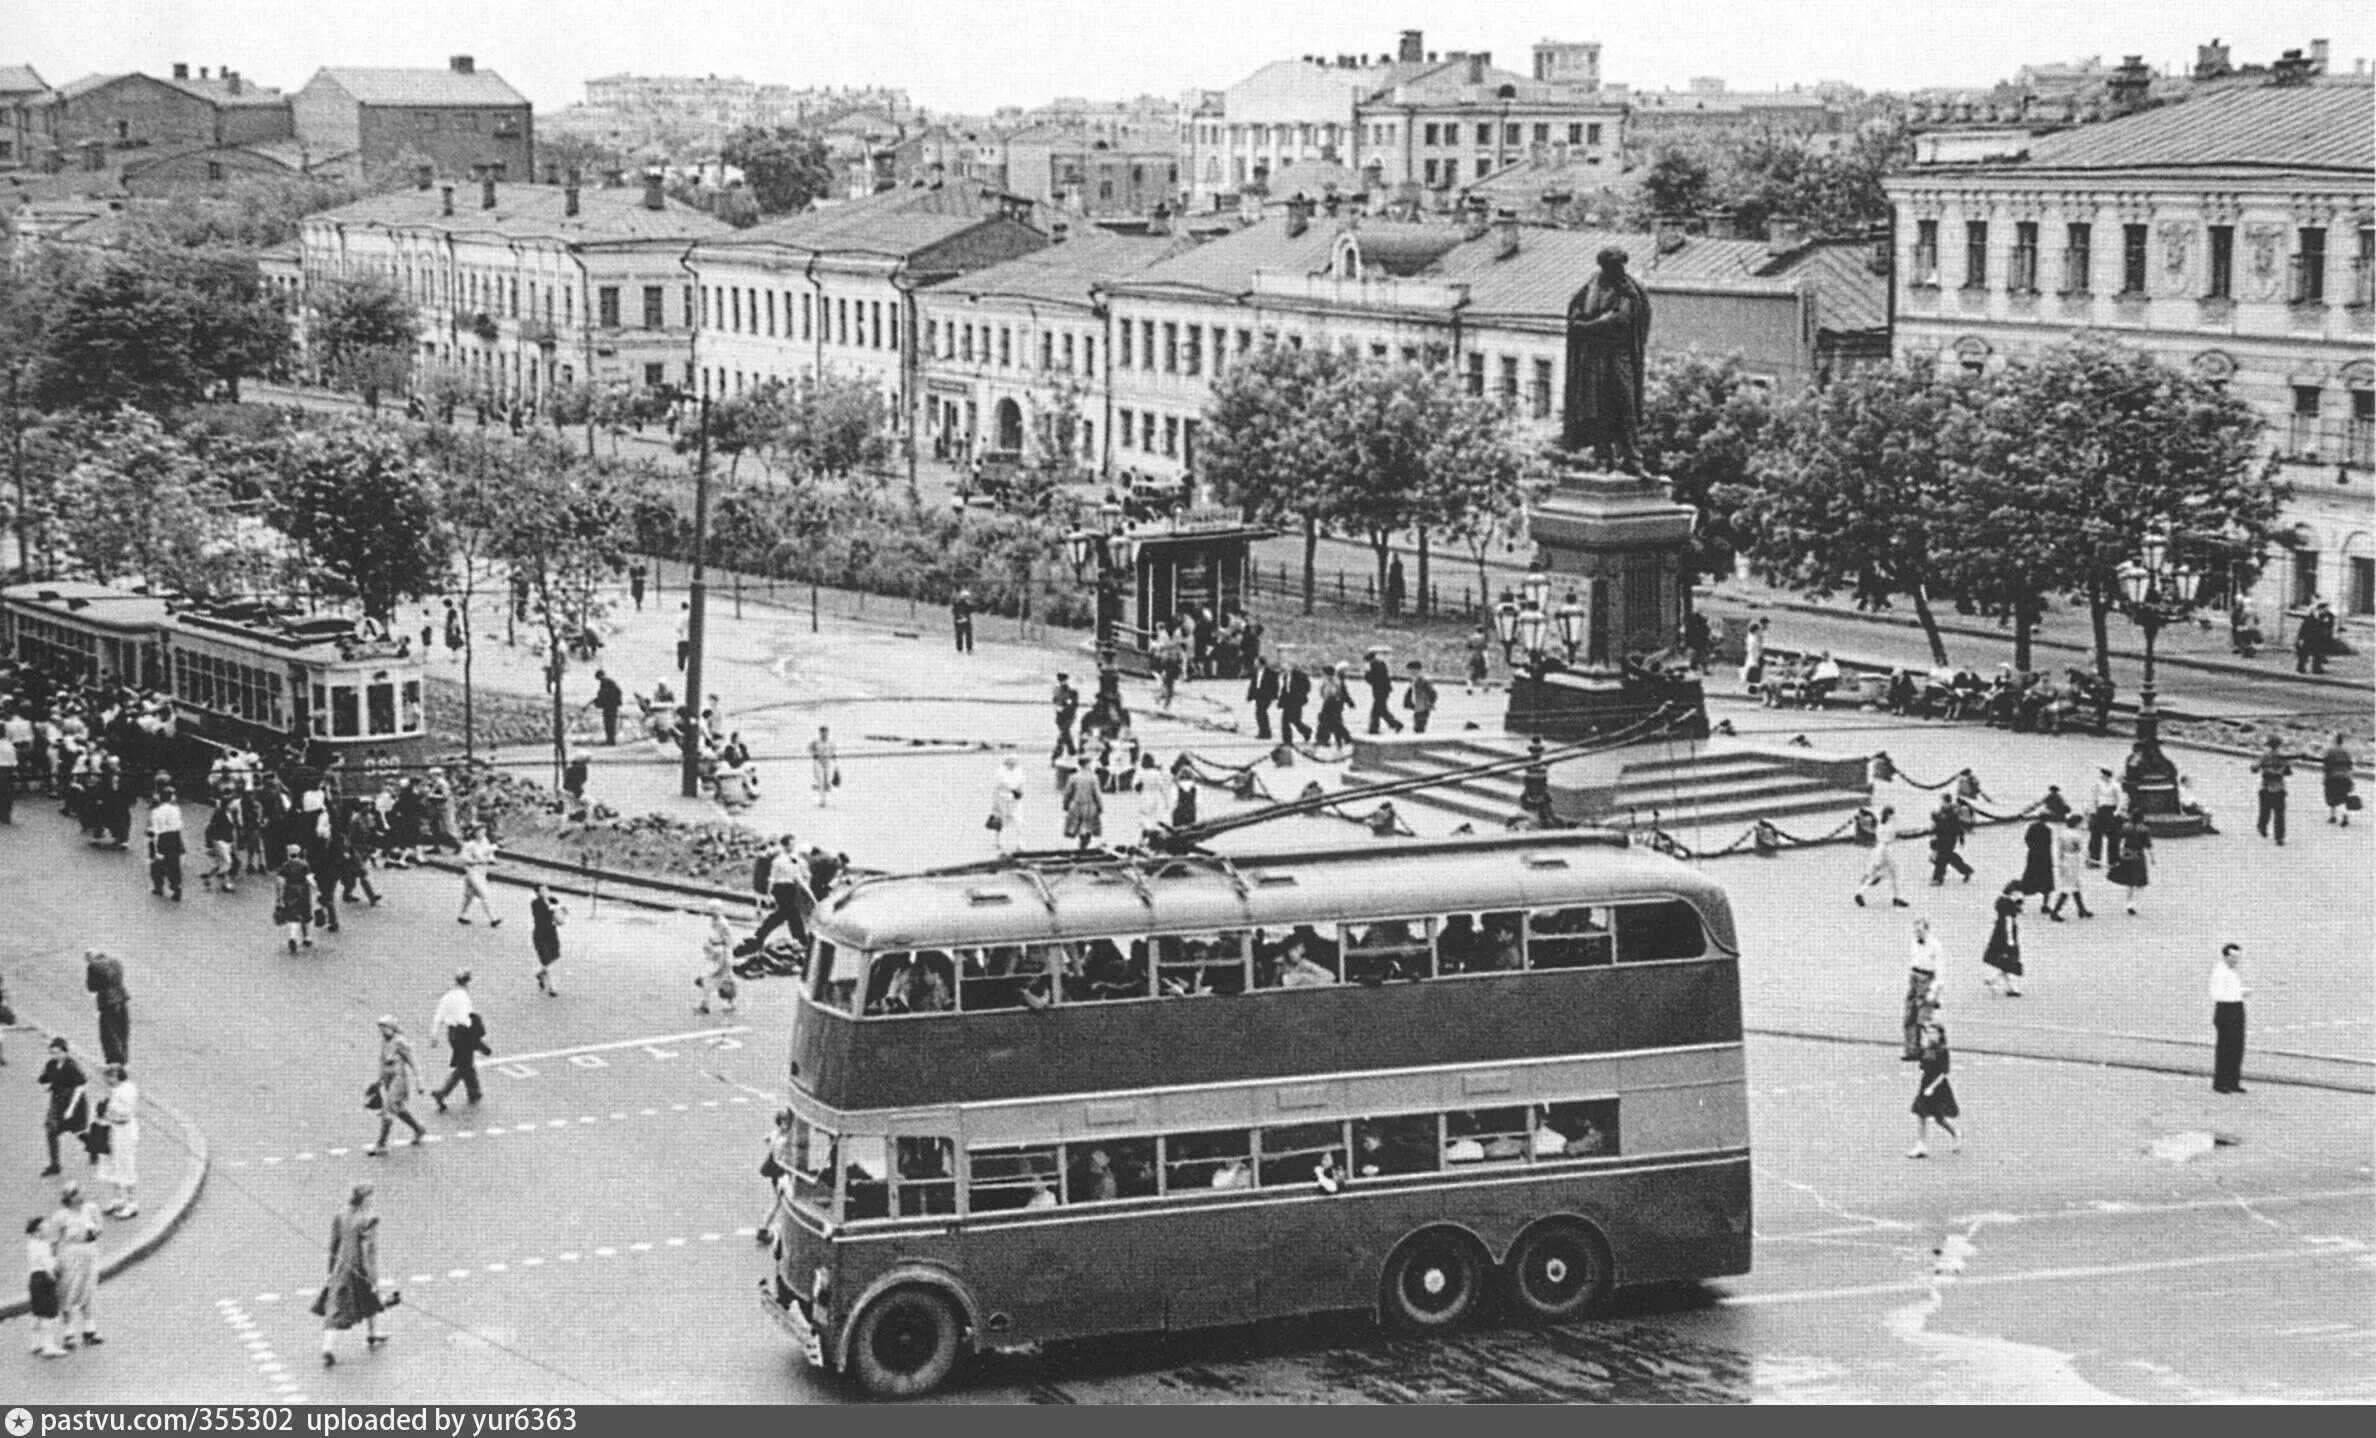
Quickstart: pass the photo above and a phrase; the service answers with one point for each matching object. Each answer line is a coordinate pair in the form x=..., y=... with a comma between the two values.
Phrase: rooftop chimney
x=655, y=196
x=181, y=70
x=449, y=199
x=463, y=65
x=2128, y=86
x=1506, y=222
x=202, y=72
x=569, y=197
x=1476, y=67
x=423, y=175
x=1783, y=237
x=2319, y=51
x=1412, y=50
x=487, y=193
x=1299, y=216
x=231, y=78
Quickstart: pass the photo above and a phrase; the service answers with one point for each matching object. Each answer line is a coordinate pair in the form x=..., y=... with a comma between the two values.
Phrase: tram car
x=247, y=674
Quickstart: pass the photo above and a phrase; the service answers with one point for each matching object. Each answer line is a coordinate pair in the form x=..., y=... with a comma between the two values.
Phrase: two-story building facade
x=28, y=118
x=522, y=288
x=1459, y=122
x=464, y=121
x=1489, y=300
x=2233, y=233
x=835, y=290
x=1009, y=346
x=178, y=128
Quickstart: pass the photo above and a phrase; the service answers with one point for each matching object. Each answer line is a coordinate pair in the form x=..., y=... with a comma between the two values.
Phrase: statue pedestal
x=1616, y=542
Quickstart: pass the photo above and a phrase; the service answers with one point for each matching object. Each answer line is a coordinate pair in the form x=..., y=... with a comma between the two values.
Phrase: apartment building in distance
x=2233, y=233
x=522, y=288
x=1410, y=117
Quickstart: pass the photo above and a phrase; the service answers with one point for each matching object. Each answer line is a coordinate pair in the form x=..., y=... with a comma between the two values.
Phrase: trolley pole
x=697, y=592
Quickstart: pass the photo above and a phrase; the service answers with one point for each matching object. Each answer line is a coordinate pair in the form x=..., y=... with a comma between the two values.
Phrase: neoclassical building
x=2234, y=233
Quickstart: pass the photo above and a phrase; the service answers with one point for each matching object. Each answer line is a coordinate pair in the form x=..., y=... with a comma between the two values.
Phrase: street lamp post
x=1505, y=623
x=1571, y=625
x=1111, y=553
x=2156, y=589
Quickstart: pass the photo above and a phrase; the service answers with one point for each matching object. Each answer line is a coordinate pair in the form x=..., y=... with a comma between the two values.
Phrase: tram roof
x=1033, y=899
x=83, y=602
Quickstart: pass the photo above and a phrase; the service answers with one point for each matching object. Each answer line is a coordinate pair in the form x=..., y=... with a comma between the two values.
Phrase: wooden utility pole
x=697, y=593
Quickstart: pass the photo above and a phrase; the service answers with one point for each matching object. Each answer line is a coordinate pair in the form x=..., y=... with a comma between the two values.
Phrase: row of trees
x=2005, y=493
x=1762, y=180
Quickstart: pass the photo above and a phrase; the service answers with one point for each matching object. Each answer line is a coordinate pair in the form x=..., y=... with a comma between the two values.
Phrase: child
x=41, y=1289
x=717, y=950
x=293, y=909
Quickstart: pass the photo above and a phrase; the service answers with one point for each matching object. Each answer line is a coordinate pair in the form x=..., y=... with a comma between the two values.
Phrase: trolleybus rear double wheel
x=1558, y=1271
x=1433, y=1283
x=906, y=1342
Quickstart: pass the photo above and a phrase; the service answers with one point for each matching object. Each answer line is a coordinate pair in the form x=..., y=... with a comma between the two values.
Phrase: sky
x=970, y=56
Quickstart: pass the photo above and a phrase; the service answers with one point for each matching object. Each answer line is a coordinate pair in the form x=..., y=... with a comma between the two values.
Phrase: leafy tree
x=122, y=337
x=138, y=504
x=1702, y=422
x=1478, y=480
x=363, y=510
x=1676, y=183
x=362, y=333
x=787, y=169
x=236, y=330
x=836, y=427
x=581, y=155
x=1382, y=421
x=253, y=212
x=1853, y=489
x=1266, y=438
x=2074, y=457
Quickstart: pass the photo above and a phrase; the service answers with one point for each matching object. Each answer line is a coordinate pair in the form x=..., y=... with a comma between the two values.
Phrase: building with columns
x=2233, y=233
x=524, y=287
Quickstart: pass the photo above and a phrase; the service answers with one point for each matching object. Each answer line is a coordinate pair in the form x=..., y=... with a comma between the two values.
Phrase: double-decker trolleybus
x=1054, y=1097
x=246, y=674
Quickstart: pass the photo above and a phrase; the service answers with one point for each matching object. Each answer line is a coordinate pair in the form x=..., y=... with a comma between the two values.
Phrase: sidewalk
x=173, y=1163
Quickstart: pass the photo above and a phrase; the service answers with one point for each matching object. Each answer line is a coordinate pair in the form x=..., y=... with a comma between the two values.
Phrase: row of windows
x=1139, y=430
x=917, y=1175
x=1448, y=134
x=1182, y=348
x=1063, y=350
x=2306, y=266
x=226, y=686
x=655, y=306
x=835, y=320
x=342, y=711
x=1228, y=962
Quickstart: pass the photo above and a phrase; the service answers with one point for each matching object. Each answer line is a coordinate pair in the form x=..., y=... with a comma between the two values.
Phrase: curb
x=1965, y=631
x=2000, y=1046
x=177, y=1207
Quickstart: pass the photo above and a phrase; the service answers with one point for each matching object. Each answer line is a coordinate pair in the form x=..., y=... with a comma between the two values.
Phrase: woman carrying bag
x=351, y=1293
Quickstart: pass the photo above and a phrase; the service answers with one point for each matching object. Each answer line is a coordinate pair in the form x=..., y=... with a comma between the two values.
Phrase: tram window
x=1668, y=929
x=1006, y=1179
x=927, y=1175
x=346, y=718
x=993, y=978
x=380, y=704
x=1569, y=938
x=866, y=1186
x=1110, y=1169
x=321, y=709
x=1388, y=950
x=1485, y=1135
x=1293, y=1153
x=834, y=976
x=1585, y=1128
x=1110, y=969
x=1385, y=1147
x=1201, y=964
x=1222, y=1158
x=812, y=1165
x=1482, y=943
x=1305, y=957
x=412, y=704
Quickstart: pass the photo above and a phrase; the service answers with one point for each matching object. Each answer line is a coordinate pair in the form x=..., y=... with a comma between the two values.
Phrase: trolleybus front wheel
x=906, y=1342
x=1433, y=1283
x=1558, y=1271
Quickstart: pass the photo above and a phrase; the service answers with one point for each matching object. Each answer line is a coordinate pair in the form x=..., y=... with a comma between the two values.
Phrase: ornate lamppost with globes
x=1111, y=552
x=2157, y=588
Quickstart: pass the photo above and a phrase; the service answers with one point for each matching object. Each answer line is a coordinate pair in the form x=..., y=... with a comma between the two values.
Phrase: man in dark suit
x=1947, y=835
x=1292, y=700
x=1264, y=691
x=103, y=975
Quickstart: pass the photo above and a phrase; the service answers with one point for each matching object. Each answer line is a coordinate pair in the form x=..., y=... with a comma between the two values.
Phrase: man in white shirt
x=165, y=845
x=465, y=1033
x=2227, y=1020
x=2104, y=824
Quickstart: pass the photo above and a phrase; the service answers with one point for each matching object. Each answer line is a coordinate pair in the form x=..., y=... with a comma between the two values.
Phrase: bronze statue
x=1608, y=329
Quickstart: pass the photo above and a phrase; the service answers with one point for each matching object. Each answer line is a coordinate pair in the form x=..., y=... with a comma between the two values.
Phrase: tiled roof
x=2311, y=127
x=1849, y=297
x=20, y=80
x=1226, y=266
x=895, y=222
x=87, y=84
x=1063, y=273
x=605, y=216
x=218, y=92
x=373, y=86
